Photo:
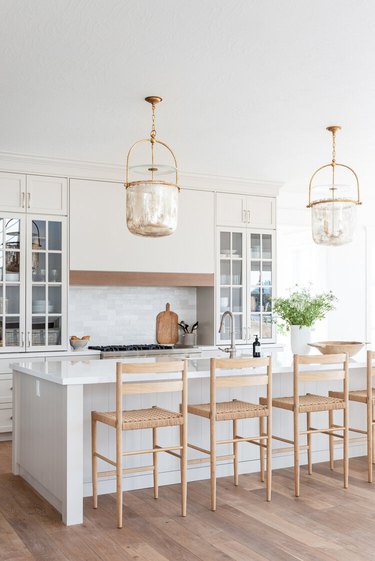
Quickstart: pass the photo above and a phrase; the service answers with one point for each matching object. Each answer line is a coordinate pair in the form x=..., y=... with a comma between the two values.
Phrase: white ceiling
x=249, y=85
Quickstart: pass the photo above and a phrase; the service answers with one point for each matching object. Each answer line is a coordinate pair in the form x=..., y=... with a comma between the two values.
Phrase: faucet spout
x=232, y=349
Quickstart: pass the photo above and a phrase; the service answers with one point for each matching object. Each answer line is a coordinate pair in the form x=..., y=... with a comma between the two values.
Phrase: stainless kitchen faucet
x=232, y=349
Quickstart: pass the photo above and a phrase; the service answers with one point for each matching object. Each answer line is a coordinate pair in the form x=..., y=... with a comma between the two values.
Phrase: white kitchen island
x=51, y=422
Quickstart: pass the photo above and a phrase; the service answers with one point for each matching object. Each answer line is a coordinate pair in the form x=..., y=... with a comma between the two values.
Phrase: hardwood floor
x=326, y=523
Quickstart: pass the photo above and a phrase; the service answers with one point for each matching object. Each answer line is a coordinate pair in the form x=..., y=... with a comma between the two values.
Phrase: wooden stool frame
x=366, y=397
x=332, y=430
x=264, y=440
x=118, y=420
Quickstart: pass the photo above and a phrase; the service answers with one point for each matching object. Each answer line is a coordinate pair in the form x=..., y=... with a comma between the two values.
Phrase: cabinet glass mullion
x=261, y=285
x=11, y=283
x=47, y=283
x=231, y=282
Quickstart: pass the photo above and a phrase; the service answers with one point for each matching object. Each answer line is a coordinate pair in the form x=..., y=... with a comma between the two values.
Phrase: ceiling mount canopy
x=152, y=203
x=333, y=201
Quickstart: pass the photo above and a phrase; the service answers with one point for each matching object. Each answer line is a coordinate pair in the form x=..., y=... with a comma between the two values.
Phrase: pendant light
x=333, y=201
x=152, y=203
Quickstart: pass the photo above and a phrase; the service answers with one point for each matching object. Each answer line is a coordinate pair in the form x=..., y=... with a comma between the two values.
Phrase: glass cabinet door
x=46, y=287
x=261, y=271
x=12, y=288
x=232, y=282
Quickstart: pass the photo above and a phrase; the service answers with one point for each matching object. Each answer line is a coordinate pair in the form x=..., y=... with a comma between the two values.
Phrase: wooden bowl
x=334, y=347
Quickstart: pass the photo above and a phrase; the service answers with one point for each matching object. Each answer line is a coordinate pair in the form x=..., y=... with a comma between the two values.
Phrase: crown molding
x=101, y=171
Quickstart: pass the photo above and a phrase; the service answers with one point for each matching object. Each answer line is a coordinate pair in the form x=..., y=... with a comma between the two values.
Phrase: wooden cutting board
x=167, y=327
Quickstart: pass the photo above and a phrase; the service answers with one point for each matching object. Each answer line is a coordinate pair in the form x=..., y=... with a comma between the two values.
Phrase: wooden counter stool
x=234, y=410
x=152, y=418
x=366, y=397
x=311, y=403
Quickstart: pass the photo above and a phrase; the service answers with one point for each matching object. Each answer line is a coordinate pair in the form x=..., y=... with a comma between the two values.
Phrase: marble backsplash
x=125, y=314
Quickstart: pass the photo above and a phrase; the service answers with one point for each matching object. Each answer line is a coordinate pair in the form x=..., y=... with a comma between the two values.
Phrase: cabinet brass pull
x=248, y=216
x=22, y=339
x=11, y=388
x=28, y=199
x=28, y=339
x=23, y=199
x=244, y=216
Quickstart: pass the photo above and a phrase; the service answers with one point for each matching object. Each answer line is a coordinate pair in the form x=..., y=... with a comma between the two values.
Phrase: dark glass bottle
x=256, y=347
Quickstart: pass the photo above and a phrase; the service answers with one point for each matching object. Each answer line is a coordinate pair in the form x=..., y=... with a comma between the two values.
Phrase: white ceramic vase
x=300, y=335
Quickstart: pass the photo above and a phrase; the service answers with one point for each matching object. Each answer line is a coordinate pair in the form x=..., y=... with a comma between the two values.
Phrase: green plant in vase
x=298, y=313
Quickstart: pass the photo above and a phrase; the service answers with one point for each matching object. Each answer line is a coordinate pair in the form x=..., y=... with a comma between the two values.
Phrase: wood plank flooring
x=327, y=523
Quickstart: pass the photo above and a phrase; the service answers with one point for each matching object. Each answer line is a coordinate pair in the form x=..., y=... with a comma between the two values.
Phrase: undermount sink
x=334, y=347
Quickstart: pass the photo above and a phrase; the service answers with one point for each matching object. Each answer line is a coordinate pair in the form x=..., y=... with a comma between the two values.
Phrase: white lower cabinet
x=6, y=398
x=6, y=416
x=100, y=240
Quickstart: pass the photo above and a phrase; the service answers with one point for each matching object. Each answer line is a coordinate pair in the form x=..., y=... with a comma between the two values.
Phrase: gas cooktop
x=117, y=348
x=110, y=351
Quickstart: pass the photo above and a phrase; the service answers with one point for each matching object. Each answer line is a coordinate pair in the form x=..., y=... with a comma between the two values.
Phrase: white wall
x=125, y=314
x=344, y=270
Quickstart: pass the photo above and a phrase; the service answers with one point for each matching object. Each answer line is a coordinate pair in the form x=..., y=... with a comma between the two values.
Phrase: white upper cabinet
x=245, y=211
x=12, y=192
x=100, y=240
x=33, y=193
x=47, y=195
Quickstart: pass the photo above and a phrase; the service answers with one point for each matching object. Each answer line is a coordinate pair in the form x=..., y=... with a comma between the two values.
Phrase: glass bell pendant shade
x=152, y=203
x=333, y=223
x=333, y=201
x=151, y=209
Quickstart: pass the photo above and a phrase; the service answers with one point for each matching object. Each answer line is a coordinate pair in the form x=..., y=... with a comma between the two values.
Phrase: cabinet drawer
x=6, y=387
x=6, y=419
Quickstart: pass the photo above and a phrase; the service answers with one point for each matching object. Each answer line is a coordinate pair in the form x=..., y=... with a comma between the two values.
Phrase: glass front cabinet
x=245, y=285
x=33, y=283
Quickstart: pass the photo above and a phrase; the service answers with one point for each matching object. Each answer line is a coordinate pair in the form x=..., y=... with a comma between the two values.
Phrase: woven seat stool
x=136, y=419
x=366, y=397
x=312, y=403
x=233, y=411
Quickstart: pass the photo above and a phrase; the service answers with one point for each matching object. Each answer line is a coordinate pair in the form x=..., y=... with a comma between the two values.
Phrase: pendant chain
x=334, y=147
x=153, y=129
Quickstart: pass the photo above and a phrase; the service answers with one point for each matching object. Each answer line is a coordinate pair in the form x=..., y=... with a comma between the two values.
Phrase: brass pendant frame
x=333, y=129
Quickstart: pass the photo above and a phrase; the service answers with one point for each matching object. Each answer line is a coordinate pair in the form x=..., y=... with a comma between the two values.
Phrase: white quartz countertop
x=67, y=372
x=50, y=354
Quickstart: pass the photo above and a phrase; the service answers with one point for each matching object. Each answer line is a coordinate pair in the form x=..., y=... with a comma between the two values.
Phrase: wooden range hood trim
x=130, y=278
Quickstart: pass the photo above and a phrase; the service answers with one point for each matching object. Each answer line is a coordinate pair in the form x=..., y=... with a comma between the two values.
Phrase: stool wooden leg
x=235, y=453
x=373, y=437
x=119, y=476
x=331, y=444
x=261, y=449
x=94, y=463
x=309, y=451
x=213, y=463
x=183, y=443
x=369, y=440
x=155, y=462
x=296, y=453
x=346, y=447
x=269, y=458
